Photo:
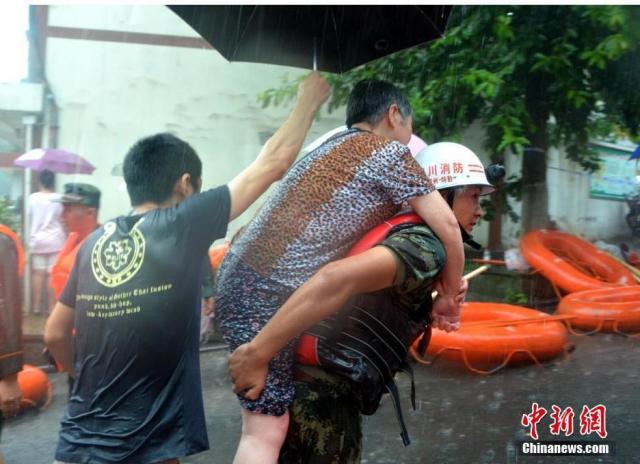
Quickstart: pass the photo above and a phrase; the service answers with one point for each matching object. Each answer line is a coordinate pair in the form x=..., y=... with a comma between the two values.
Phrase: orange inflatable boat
x=604, y=310
x=571, y=263
x=493, y=335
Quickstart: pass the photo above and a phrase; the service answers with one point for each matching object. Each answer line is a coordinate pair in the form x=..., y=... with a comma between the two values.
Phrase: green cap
x=81, y=194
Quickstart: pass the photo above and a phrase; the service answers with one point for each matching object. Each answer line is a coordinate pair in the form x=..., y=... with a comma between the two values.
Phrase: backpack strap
x=392, y=388
x=425, y=338
x=407, y=369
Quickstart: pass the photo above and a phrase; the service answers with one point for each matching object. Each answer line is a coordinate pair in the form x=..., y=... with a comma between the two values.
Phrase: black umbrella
x=339, y=37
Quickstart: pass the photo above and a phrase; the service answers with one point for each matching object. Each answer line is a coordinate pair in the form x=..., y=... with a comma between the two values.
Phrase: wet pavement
x=460, y=418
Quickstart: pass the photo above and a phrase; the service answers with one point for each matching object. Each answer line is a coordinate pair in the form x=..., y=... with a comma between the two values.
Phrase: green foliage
x=8, y=216
x=510, y=188
x=516, y=298
x=550, y=75
x=280, y=95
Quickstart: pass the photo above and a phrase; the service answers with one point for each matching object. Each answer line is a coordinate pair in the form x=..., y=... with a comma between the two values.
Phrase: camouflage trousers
x=325, y=426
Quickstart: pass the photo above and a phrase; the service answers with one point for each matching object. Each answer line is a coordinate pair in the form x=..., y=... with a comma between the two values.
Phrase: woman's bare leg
x=37, y=284
x=262, y=437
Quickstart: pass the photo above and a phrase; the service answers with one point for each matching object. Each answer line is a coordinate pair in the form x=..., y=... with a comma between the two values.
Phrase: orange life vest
x=64, y=263
x=307, y=348
x=19, y=250
x=217, y=254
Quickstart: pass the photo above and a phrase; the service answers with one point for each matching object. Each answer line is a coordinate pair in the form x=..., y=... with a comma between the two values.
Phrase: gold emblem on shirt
x=114, y=262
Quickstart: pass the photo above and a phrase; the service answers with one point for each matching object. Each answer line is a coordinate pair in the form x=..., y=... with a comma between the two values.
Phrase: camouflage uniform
x=325, y=425
x=325, y=421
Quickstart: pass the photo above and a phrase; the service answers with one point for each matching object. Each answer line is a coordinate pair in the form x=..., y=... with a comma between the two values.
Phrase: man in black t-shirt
x=133, y=298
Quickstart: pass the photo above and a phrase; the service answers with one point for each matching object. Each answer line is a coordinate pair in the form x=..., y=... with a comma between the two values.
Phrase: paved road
x=460, y=418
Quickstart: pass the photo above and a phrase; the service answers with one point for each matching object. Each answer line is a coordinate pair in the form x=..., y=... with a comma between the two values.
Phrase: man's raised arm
x=281, y=149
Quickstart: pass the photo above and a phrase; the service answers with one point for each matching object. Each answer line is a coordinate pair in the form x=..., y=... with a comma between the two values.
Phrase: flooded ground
x=460, y=417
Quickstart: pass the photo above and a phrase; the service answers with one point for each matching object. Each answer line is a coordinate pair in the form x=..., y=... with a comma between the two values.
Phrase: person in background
x=11, y=347
x=80, y=208
x=46, y=238
x=208, y=303
x=216, y=255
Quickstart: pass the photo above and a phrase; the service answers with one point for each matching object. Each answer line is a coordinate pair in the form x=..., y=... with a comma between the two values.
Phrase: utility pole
x=29, y=121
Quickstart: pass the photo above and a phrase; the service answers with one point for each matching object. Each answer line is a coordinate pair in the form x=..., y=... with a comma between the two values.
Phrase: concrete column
x=28, y=121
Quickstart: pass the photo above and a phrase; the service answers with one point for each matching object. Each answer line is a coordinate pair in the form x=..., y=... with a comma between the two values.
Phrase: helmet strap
x=468, y=239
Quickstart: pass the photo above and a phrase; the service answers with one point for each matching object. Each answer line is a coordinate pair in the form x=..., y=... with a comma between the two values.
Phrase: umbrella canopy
x=340, y=37
x=55, y=160
x=635, y=154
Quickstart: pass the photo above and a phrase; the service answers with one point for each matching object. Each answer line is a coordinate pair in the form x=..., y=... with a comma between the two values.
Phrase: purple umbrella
x=55, y=160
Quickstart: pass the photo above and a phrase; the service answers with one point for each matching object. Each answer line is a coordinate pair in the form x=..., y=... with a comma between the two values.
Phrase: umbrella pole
x=315, y=54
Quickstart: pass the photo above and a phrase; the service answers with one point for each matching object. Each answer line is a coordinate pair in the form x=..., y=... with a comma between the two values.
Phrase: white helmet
x=450, y=165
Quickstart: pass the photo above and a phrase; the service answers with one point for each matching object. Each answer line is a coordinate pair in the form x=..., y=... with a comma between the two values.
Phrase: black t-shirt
x=135, y=288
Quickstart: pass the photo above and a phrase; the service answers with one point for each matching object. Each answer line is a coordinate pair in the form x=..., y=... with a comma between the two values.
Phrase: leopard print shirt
x=326, y=201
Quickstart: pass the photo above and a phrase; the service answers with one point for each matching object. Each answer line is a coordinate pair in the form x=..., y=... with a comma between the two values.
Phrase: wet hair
x=370, y=100
x=450, y=193
x=154, y=164
x=46, y=178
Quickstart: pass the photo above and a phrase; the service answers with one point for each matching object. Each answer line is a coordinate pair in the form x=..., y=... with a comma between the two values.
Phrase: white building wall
x=150, y=19
x=510, y=229
x=574, y=210
x=25, y=97
x=110, y=94
x=570, y=205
